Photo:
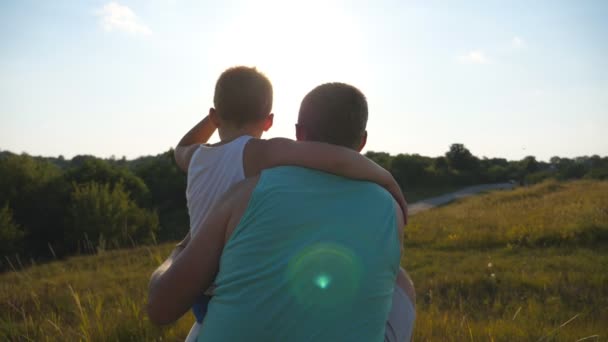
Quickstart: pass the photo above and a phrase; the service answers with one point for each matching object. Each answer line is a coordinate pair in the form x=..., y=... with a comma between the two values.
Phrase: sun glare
x=292, y=44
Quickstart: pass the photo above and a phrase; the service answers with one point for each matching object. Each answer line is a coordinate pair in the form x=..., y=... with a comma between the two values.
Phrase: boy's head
x=243, y=98
x=334, y=113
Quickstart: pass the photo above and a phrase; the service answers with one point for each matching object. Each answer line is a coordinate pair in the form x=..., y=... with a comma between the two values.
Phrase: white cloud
x=474, y=57
x=517, y=42
x=117, y=17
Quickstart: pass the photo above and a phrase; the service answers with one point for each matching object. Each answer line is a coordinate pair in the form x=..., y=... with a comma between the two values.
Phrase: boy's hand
x=199, y=309
x=395, y=190
x=263, y=154
x=199, y=134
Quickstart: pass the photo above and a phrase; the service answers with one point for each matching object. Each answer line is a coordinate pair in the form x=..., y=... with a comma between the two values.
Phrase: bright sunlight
x=297, y=50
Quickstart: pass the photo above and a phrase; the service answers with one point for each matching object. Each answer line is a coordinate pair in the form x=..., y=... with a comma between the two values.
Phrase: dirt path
x=443, y=199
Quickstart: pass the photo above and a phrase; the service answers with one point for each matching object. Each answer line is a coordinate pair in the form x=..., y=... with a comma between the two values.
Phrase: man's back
x=313, y=258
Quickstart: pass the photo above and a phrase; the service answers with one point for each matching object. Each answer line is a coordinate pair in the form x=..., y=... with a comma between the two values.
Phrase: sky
x=128, y=78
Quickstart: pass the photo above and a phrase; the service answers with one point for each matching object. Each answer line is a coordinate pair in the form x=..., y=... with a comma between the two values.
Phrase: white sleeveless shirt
x=212, y=171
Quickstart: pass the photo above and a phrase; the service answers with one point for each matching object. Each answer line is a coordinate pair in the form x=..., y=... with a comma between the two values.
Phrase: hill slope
x=505, y=266
x=513, y=265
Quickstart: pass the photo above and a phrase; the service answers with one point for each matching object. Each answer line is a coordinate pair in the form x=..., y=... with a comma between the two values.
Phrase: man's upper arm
x=174, y=290
x=196, y=267
x=183, y=155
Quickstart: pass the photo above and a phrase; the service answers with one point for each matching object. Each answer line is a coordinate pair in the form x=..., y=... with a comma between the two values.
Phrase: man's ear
x=363, y=141
x=300, y=134
x=215, y=118
x=268, y=122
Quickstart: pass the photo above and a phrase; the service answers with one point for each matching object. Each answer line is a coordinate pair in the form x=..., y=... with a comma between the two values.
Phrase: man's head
x=334, y=113
x=243, y=97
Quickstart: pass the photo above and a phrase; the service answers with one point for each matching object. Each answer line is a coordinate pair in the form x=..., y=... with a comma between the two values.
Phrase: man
x=297, y=254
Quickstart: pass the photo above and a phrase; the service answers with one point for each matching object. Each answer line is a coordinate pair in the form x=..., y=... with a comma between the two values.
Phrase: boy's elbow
x=176, y=157
x=179, y=159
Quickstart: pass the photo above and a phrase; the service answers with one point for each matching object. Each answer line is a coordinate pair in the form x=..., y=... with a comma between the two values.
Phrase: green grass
x=524, y=265
x=90, y=298
x=513, y=266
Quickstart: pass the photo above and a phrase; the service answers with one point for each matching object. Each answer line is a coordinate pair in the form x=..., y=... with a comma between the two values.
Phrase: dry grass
x=91, y=298
x=523, y=265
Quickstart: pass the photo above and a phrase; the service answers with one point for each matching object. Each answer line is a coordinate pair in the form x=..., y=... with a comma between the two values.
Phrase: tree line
x=459, y=167
x=53, y=207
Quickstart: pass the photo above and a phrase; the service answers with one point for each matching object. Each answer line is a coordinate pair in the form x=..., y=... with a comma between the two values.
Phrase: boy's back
x=212, y=171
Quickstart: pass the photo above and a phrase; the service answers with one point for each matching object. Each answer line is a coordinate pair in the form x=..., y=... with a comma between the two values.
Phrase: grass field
x=523, y=265
x=419, y=193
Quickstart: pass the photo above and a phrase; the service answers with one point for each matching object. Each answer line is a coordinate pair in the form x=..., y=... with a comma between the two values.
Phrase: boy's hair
x=334, y=113
x=242, y=95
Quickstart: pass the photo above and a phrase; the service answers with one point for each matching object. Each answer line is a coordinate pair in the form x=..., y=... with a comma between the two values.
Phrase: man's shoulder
x=240, y=190
x=297, y=175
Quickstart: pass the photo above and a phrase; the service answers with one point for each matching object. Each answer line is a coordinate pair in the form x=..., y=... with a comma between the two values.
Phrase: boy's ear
x=268, y=122
x=215, y=119
x=363, y=141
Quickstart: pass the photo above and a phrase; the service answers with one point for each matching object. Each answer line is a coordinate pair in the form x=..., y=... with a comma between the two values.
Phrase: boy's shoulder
x=221, y=153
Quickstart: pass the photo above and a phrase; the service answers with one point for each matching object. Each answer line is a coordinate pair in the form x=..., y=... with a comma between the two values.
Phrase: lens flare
x=323, y=281
x=324, y=277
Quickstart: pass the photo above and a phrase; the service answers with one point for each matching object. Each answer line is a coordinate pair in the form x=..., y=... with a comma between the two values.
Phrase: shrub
x=106, y=215
x=10, y=233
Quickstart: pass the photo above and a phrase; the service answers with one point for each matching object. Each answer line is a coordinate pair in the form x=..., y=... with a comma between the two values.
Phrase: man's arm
x=176, y=284
x=264, y=154
x=190, y=270
x=199, y=134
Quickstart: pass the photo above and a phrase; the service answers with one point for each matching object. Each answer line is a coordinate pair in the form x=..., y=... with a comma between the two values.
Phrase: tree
x=167, y=184
x=460, y=158
x=100, y=212
x=100, y=171
x=530, y=165
x=37, y=195
x=497, y=173
x=22, y=175
x=440, y=165
x=10, y=233
x=381, y=158
x=409, y=170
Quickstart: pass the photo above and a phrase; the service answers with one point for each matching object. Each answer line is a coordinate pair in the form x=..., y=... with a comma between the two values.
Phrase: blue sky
x=506, y=78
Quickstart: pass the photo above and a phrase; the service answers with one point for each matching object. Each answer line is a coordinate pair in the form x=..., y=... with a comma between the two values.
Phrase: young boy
x=241, y=113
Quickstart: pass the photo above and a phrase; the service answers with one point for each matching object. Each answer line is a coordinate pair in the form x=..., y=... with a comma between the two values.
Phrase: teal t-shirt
x=314, y=258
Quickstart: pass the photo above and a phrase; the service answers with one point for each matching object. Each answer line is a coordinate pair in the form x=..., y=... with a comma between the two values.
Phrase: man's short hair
x=242, y=95
x=334, y=113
